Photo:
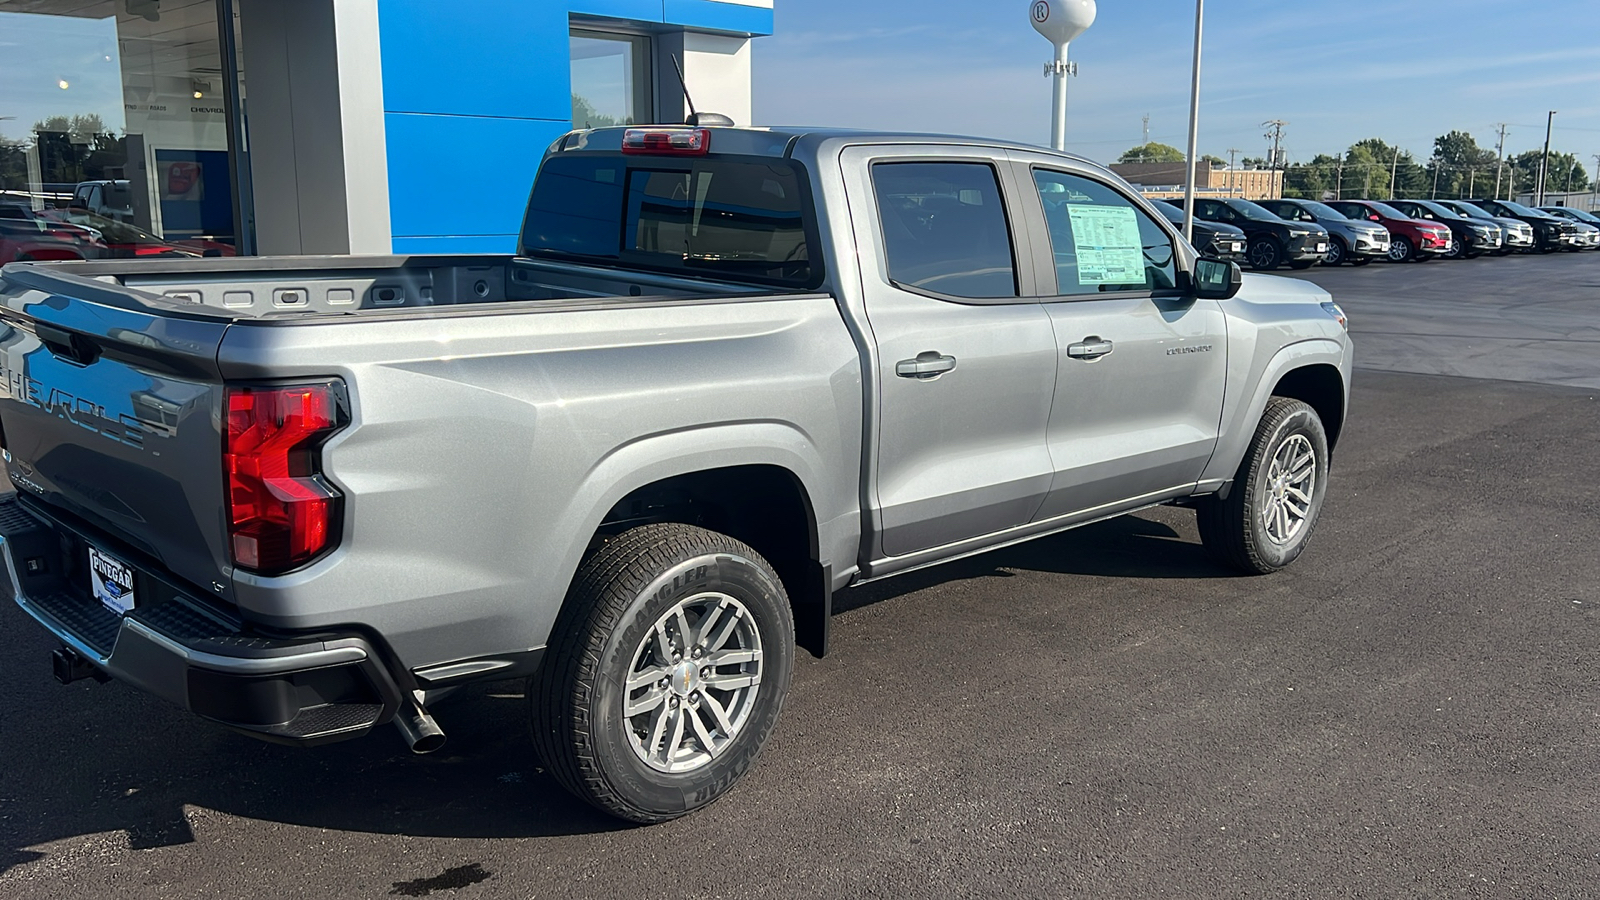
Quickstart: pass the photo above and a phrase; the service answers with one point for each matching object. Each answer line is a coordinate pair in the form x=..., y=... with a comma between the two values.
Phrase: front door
x=965, y=359
x=1143, y=362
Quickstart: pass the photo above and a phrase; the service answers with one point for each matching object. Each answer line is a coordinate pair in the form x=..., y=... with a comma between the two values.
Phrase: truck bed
x=336, y=285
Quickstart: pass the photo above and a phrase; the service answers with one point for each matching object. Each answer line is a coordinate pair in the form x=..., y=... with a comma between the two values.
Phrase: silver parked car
x=1518, y=235
x=1587, y=223
x=1349, y=240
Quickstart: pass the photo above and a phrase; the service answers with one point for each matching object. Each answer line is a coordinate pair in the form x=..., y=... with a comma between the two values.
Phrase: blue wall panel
x=462, y=175
x=473, y=93
x=476, y=58
x=714, y=16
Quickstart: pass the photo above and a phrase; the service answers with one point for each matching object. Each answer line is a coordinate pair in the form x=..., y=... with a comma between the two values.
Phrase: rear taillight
x=282, y=513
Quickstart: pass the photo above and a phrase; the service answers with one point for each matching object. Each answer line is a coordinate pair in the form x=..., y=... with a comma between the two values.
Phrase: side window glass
x=945, y=228
x=1101, y=241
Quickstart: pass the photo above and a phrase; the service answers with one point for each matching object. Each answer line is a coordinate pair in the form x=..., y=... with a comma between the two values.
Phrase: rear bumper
x=294, y=689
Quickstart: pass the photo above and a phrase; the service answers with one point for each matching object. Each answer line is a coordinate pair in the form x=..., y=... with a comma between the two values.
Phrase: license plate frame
x=111, y=580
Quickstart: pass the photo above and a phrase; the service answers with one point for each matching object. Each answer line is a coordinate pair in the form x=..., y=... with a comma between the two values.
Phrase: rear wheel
x=666, y=672
x=1276, y=496
x=1265, y=254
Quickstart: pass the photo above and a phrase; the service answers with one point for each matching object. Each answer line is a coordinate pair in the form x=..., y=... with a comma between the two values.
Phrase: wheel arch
x=762, y=483
x=1320, y=386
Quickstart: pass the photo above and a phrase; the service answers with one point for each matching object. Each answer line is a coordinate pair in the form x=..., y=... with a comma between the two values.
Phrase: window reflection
x=113, y=131
x=610, y=79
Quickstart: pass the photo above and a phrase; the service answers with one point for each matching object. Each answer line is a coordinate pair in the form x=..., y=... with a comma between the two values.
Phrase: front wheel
x=665, y=674
x=1277, y=493
x=1336, y=253
x=1265, y=254
x=1400, y=249
x=1458, y=249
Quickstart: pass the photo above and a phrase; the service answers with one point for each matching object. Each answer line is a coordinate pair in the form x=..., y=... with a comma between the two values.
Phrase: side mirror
x=1216, y=279
x=1376, y=218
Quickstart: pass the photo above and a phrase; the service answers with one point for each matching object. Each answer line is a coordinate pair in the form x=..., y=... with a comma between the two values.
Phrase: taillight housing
x=282, y=512
x=668, y=141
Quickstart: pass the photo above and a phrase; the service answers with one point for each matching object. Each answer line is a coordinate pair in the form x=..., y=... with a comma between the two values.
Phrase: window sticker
x=1106, y=239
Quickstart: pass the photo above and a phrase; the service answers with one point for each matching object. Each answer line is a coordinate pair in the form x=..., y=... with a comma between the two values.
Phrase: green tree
x=1321, y=176
x=1566, y=173
x=1215, y=161
x=1151, y=152
x=1376, y=159
x=1459, y=166
x=585, y=116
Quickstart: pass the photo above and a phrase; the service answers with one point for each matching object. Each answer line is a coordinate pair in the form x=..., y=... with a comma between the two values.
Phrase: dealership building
x=338, y=126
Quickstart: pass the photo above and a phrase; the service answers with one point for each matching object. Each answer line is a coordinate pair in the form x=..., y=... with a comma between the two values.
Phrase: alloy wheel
x=693, y=683
x=1291, y=483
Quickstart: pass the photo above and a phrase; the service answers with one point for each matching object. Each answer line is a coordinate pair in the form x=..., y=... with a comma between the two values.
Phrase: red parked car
x=1410, y=238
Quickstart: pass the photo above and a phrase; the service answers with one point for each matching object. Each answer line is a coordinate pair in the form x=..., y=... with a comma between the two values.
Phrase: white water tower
x=1060, y=21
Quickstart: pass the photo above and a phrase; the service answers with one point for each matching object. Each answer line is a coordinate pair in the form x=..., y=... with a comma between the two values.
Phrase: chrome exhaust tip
x=421, y=733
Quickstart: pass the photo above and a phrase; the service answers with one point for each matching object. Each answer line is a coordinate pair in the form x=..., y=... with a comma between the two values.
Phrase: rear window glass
x=707, y=217
x=945, y=228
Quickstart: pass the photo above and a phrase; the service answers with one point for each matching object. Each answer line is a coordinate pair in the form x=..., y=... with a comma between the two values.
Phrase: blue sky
x=1337, y=71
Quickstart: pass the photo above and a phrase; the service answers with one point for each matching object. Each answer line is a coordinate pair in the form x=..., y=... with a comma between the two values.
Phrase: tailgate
x=109, y=408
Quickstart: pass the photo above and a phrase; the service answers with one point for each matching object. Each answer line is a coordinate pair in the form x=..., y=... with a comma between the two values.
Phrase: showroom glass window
x=610, y=79
x=113, y=131
x=1101, y=241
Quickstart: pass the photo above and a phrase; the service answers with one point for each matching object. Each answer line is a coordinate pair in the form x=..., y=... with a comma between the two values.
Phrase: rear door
x=110, y=407
x=965, y=358
x=1142, y=361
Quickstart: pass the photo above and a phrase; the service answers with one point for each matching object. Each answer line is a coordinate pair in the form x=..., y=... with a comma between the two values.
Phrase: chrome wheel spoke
x=726, y=632
x=648, y=677
x=731, y=657
x=729, y=682
x=718, y=712
x=700, y=730
x=675, y=739
x=703, y=630
x=643, y=704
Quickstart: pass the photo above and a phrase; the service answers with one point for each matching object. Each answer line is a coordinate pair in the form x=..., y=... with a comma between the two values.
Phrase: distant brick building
x=1167, y=179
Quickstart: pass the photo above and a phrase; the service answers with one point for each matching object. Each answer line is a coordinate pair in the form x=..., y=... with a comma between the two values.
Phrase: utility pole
x=1146, y=128
x=1232, y=180
x=1194, y=125
x=1338, y=181
x=1594, y=194
x=1276, y=133
x=1394, y=170
x=1499, y=158
x=1472, y=183
x=1544, y=159
x=1437, y=165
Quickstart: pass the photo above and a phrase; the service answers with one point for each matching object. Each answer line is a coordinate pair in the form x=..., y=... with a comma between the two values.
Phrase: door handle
x=928, y=365
x=1091, y=347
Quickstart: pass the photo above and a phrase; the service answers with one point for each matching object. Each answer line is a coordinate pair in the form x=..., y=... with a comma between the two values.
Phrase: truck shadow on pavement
x=108, y=760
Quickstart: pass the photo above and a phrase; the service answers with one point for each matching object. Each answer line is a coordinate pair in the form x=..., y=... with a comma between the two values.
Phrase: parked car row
x=1303, y=233
x=75, y=233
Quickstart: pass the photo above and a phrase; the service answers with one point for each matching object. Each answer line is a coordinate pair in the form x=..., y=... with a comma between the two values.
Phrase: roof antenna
x=696, y=118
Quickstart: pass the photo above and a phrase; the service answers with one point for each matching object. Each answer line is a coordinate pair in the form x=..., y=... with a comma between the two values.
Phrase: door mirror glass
x=1217, y=279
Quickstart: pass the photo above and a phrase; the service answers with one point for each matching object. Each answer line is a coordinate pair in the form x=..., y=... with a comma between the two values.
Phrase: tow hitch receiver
x=69, y=666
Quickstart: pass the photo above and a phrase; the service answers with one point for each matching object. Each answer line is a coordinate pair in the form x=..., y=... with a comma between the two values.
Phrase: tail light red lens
x=282, y=513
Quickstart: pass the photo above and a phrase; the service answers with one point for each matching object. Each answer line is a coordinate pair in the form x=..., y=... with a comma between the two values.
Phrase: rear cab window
x=739, y=219
x=945, y=229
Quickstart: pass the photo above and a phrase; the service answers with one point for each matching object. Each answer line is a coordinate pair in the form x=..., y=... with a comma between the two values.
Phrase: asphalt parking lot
x=1412, y=710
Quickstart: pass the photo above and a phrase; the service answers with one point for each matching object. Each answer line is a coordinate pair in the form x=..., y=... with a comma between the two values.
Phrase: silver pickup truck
x=728, y=373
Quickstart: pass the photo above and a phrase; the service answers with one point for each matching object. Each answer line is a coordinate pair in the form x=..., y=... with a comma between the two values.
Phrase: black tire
x=611, y=610
x=1265, y=254
x=1401, y=249
x=1337, y=252
x=1458, y=249
x=1233, y=529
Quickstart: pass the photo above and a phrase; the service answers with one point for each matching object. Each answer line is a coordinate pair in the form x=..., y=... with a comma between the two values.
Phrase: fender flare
x=1239, y=427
